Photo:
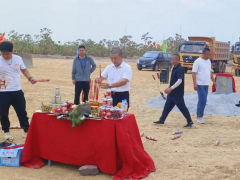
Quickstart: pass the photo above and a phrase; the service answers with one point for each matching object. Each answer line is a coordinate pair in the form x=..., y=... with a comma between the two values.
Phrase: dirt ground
x=192, y=157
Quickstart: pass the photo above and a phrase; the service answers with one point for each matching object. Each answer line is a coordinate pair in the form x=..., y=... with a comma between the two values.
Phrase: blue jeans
x=202, y=100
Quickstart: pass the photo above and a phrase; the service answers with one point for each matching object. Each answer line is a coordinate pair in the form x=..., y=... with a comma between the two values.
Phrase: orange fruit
x=119, y=105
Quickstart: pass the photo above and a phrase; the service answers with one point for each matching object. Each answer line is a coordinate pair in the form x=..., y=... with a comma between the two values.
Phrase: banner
x=164, y=47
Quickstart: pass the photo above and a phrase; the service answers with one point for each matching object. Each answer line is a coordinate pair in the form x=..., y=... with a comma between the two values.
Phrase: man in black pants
x=83, y=66
x=10, y=88
x=176, y=93
x=118, y=75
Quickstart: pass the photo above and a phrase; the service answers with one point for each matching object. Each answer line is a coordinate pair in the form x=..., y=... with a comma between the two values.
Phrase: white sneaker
x=7, y=136
x=24, y=135
x=200, y=120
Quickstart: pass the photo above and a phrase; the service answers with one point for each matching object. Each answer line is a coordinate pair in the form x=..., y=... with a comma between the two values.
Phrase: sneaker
x=200, y=120
x=159, y=122
x=188, y=126
x=7, y=136
x=24, y=135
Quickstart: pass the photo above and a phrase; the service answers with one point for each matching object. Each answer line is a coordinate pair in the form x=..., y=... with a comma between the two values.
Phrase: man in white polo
x=118, y=75
x=11, y=92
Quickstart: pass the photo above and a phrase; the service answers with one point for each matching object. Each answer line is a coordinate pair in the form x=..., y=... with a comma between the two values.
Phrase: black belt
x=120, y=93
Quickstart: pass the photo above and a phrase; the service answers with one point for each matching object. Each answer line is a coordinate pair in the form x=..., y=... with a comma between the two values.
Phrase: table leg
x=49, y=163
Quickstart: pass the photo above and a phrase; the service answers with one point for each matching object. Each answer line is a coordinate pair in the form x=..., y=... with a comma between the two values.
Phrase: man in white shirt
x=201, y=75
x=10, y=88
x=118, y=75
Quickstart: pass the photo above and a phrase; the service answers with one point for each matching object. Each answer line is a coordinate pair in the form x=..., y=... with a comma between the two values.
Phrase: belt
x=120, y=93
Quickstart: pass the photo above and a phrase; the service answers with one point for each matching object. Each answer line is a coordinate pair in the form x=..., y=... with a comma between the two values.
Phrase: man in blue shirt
x=83, y=66
x=176, y=93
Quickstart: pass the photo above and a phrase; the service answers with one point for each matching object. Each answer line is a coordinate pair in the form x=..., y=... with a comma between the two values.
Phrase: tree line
x=43, y=44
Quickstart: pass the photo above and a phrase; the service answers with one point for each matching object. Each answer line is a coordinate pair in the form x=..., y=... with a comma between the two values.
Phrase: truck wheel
x=218, y=67
x=215, y=70
x=156, y=67
x=237, y=72
x=139, y=69
x=185, y=70
x=223, y=67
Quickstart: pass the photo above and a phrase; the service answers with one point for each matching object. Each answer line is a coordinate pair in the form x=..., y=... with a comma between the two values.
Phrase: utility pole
x=125, y=28
x=180, y=30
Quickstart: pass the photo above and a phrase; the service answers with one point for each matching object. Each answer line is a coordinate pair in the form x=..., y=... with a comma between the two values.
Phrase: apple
x=64, y=109
x=54, y=110
x=72, y=107
x=103, y=114
x=69, y=105
x=58, y=110
x=109, y=115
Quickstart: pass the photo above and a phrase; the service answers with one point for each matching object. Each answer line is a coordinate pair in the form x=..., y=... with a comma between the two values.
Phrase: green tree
x=127, y=45
x=43, y=44
x=173, y=43
x=46, y=43
x=27, y=43
x=16, y=39
x=146, y=38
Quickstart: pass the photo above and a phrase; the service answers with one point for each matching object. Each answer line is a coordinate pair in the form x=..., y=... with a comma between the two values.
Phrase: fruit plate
x=95, y=118
x=57, y=114
x=113, y=118
x=40, y=111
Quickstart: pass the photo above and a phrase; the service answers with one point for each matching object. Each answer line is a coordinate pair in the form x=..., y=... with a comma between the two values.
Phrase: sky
x=70, y=20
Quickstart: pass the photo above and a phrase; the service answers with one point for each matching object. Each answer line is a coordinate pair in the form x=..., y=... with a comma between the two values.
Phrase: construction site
x=156, y=44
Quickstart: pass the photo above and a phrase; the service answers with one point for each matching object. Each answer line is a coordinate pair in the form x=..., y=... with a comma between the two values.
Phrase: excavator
x=27, y=58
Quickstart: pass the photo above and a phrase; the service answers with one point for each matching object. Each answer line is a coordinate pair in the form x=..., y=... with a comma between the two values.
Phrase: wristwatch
x=110, y=86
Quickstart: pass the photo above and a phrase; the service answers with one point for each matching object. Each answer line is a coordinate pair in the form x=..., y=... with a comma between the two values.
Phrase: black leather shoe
x=159, y=122
x=188, y=126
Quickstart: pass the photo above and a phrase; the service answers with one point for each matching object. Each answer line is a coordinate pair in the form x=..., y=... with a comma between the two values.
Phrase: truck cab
x=192, y=49
x=189, y=52
x=236, y=58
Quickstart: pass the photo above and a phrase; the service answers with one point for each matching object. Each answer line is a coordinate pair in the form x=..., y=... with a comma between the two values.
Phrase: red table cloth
x=114, y=146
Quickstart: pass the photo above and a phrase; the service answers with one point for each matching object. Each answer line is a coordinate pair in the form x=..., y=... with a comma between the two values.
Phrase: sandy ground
x=193, y=156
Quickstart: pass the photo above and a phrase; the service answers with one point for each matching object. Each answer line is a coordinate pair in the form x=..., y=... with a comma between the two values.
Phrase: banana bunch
x=46, y=108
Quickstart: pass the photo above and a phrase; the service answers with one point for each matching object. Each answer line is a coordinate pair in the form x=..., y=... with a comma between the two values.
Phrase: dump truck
x=192, y=49
x=27, y=58
x=236, y=58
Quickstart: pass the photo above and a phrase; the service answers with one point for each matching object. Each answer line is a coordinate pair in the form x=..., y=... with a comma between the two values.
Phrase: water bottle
x=177, y=132
x=176, y=137
x=151, y=138
x=124, y=107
